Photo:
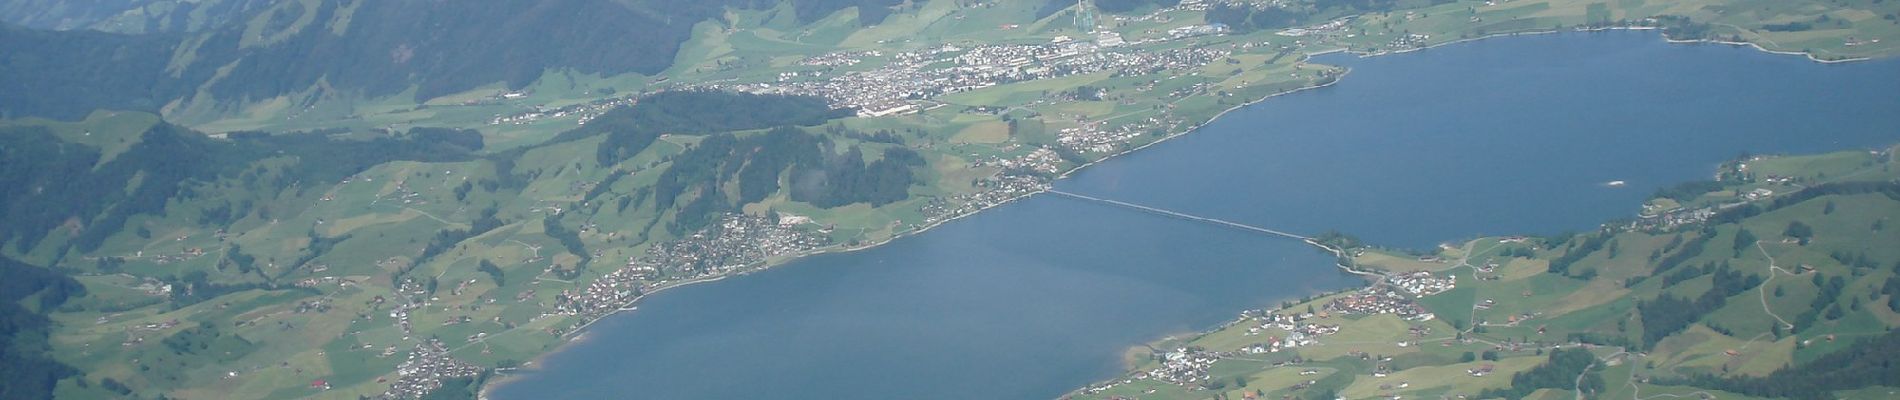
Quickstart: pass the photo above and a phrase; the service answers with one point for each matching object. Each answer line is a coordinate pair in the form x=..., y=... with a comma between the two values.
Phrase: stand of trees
x=631, y=129
x=706, y=112
x=448, y=238
x=27, y=369
x=1561, y=372
x=1668, y=314
x=847, y=179
x=1683, y=28
x=1830, y=293
x=756, y=164
x=494, y=272
x=1867, y=363
x=570, y=239
x=1690, y=249
x=1891, y=288
x=1590, y=244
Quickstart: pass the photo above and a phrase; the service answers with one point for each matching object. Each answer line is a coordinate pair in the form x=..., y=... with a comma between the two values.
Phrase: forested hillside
x=127, y=16
x=358, y=48
x=27, y=370
x=71, y=184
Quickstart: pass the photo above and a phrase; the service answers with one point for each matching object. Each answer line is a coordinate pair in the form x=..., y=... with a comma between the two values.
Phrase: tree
x=1743, y=240
x=1798, y=230
x=1467, y=357
x=493, y=272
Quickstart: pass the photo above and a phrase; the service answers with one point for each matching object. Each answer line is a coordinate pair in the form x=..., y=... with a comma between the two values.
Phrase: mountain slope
x=356, y=48
x=127, y=16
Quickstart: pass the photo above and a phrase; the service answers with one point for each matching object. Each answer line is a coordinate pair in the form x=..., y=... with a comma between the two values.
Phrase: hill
x=163, y=225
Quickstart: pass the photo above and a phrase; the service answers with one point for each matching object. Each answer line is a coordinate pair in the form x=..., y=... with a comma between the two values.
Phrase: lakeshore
x=1416, y=358
x=632, y=305
x=1069, y=173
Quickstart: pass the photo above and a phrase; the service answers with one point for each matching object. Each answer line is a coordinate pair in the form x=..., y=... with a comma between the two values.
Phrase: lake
x=1036, y=298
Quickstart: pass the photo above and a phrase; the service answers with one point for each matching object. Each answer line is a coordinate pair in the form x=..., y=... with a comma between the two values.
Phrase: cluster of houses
x=1298, y=332
x=1670, y=219
x=996, y=190
x=839, y=59
x=1329, y=28
x=1041, y=160
x=415, y=295
x=312, y=282
x=736, y=242
x=1164, y=14
x=1422, y=283
x=428, y=365
x=586, y=111
x=1376, y=301
x=1409, y=41
x=1096, y=138
x=1480, y=370
x=894, y=87
x=1183, y=366
x=186, y=255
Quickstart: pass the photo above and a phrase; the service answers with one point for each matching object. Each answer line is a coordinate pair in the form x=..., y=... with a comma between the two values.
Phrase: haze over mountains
x=219, y=52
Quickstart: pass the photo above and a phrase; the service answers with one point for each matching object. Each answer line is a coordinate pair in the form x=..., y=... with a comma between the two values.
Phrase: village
x=997, y=190
x=735, y=244
x=897, y=86
x=1286, y=329
x=424, y=371
x=584, y=112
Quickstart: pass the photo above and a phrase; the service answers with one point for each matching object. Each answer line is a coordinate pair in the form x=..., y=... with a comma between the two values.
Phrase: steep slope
x=127, y=16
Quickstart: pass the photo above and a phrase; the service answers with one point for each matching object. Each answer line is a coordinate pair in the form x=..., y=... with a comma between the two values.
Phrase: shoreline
x=579, y=333
x=1665, y=38
x=1340, y=256
x=502, y=378
x=1374, y=278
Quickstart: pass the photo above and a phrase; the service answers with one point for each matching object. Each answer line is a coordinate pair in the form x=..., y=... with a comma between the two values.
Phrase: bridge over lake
x=1190, y=217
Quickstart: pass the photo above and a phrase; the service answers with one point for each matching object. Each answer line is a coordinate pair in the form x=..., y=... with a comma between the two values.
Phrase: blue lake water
x=1033, y=299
